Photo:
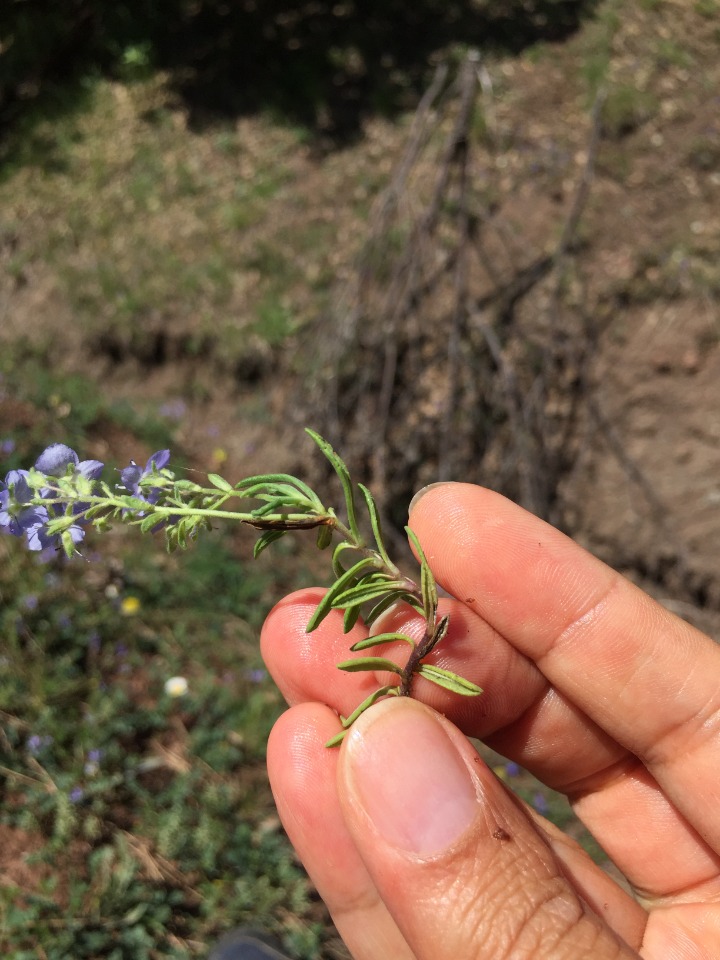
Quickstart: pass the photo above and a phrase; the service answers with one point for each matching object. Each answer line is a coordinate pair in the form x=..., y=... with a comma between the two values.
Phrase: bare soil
x=641, y=484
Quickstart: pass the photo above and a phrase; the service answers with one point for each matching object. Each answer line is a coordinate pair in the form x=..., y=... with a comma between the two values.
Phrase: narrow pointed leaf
x=427, y=580
x=265, y=539
x=388, y=602
x=381, y=638
x=350, y=619
x=362, y=593
x=391, y=690
x=369, y=663
x=327, y=602
x=342, y=547
x=341, y=470
x=337, y=739
x=375, y=523
x=448, y=680
x=269, y=479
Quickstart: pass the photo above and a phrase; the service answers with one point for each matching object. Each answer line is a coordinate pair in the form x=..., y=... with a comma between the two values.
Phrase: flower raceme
x=21, y=514
x=54, y=502
x=33, y=508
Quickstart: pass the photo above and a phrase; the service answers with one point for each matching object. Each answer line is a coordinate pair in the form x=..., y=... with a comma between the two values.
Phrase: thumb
x=455, y=858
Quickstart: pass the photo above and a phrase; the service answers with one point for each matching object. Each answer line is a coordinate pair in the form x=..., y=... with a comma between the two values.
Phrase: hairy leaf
x=364, y=593
x=358, y=664
x=327, y=602
x=448, y=680
x=338, y=465
x=265, y=539
x=381, y=638
x=220, y=482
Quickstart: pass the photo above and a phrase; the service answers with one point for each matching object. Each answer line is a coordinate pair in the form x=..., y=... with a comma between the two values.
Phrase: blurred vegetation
x=144, y=823
x=322, y=64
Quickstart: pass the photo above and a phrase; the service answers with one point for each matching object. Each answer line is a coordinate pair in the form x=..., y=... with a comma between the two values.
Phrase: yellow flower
x=219, y=456
x=129, y=606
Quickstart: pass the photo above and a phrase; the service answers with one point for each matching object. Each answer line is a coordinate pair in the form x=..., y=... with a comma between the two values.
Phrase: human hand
x=418, y=850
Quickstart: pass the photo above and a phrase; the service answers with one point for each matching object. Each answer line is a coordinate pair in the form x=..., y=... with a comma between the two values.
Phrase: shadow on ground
x=324, y=64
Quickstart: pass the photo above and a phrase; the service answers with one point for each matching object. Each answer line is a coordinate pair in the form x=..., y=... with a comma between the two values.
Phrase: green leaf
x=278, y=505
x=363, y=593
x=220, y=482
x=427, y=580
x=265, y=539
x=135, y=503
x=350, y=619
x=381, y=638
x=358, y=664
x=324, y=536
x=390, y=691
x=341, y=470
x=188, y=485
x=148, y=523
x=387, y=602
x=375, y=523
x=326, y=604
x=337, y=739
x=338, y=568
x=448, y=680
x=67, y=544
x=181, y=533
x=270, y=479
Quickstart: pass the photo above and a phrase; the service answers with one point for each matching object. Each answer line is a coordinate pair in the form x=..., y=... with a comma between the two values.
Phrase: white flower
x=176, y=687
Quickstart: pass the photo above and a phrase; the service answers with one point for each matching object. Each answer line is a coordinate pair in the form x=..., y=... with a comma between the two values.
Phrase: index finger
x=647, y=678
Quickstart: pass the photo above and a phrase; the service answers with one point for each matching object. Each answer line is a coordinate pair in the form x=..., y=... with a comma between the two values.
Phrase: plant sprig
x=52, y=504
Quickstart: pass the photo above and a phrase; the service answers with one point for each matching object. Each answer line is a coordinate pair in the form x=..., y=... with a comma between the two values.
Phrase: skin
x=418, y=850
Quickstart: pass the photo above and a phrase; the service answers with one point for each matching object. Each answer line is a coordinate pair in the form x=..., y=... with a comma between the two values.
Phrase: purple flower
x=76, y=794
x=512, y=769
x=54, y=462
x=55, y=459
x=7, y=445
x=92, y=763
x=39, y=539
x=16, y=515
x=539, y=801
x=257, y=675
x=133, y=475
x=36, y=744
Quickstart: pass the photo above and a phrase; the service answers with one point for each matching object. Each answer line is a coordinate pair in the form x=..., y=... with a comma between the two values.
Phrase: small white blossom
x=176, y=687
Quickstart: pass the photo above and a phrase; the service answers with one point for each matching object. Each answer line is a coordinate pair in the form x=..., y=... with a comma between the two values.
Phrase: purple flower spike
x=54, y=462
x=55, y=459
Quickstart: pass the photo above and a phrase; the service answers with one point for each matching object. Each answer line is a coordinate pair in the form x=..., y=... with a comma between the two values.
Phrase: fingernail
x=406, y=773
x=423, y=490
